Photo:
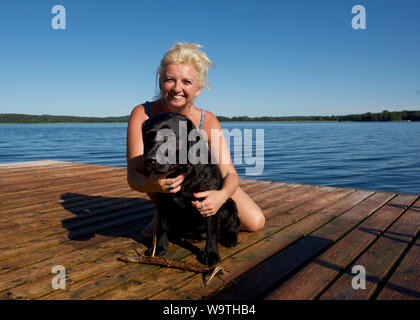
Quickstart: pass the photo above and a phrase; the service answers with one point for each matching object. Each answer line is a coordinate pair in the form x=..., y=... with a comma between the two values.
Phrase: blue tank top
x=148, y=112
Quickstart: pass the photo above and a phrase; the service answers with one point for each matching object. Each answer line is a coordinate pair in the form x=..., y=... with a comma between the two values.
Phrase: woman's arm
x=219, y=150
x=134, y=150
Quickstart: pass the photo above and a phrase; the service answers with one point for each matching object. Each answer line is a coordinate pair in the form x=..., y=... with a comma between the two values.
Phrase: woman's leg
x=251, y=216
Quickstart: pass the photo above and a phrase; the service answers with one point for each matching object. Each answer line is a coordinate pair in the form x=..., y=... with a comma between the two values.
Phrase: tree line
x=28, y=118
x=383, y=116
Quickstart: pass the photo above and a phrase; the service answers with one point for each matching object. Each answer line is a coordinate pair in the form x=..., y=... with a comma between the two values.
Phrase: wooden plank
x=243, y=184
x=263, y=277
x=33, y=192
x=35, y=211
x=257, y=185
x=39, y=170
x=51, y=184
x=30, y=274
x=302, y=222
x=89, y=262
x=280, y=231
x=289, y=199
x=15, y=185
x=272, y=192
x=36, y=172
x=309, y=282
x=101, y=217
x=89, y=213
x=405, y=282
x=148, y=280
x=269, y=230
x=45, y=213
x=20, y=256
x=9, y=174
x=62, y=239
x=266, y=187
x=28, y=164
x=247, y=185
x=103, y=281
x=10, y=199
x=379, y=259
x=45, y=195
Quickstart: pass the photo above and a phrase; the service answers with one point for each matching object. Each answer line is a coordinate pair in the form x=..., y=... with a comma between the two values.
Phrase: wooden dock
x=84, y=216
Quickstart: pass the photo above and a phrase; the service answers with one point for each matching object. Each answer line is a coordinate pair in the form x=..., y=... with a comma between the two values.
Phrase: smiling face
x=179, y=85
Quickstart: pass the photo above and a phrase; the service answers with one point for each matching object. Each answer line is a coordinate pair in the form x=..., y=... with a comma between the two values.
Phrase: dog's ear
x=144, y=126
x=187, y=169
x=190, y=125
x=190, y=142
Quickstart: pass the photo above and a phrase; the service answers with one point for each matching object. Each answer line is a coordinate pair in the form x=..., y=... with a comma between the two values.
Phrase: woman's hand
x=157, y=182
x=213, y=200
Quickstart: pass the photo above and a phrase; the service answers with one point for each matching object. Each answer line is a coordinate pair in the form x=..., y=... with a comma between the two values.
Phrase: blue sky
x=273, y=58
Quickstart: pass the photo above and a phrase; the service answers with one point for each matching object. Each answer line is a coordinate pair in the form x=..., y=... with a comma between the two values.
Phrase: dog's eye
x=150, y=135
x=167, y=138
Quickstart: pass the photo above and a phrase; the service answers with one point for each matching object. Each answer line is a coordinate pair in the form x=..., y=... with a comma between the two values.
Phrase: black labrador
x=166, y=147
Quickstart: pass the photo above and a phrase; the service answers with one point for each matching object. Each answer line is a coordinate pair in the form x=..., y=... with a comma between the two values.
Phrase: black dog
x=177, y=216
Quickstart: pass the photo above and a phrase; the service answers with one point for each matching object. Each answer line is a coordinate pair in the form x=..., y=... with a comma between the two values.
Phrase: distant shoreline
x=384, y=116
x=250, y=121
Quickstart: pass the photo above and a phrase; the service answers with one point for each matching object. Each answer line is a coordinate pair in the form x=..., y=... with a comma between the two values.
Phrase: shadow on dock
x=106, y=216
x=114, y=217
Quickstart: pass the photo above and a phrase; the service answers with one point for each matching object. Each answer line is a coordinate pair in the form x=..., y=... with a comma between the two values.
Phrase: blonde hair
x=190, y=54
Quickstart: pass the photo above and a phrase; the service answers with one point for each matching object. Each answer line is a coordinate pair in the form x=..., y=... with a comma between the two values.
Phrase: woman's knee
x=254, y=222
x=259, y=221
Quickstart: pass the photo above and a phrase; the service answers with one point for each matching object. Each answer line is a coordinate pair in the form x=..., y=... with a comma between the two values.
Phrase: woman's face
x=179, y=85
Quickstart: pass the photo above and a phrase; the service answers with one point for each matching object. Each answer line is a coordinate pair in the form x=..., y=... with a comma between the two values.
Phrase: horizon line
x=278, y=116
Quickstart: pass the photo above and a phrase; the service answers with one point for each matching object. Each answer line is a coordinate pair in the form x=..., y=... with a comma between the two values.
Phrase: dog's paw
x=160, y=251
x=210, y=258
x=229, y=240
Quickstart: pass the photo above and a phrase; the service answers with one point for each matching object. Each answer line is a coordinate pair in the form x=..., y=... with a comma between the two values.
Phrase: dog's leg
x=229, y=225
x=211, y=252
x=161, y=240
x=229, y=239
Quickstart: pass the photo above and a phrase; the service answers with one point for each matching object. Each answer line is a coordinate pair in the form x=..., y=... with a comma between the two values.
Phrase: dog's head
x=166, y=143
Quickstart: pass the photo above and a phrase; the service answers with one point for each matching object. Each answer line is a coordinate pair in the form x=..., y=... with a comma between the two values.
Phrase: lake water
x=375, y=156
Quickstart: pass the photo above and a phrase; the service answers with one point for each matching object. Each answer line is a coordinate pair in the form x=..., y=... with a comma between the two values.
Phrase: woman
x=182, y=75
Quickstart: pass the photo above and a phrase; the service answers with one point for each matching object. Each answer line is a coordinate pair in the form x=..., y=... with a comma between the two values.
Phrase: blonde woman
x=182, y=75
